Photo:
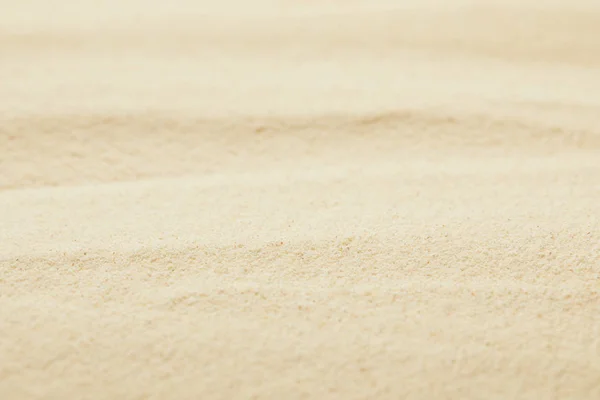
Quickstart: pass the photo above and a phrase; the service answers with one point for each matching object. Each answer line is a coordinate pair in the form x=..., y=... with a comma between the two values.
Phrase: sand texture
x=299, y=199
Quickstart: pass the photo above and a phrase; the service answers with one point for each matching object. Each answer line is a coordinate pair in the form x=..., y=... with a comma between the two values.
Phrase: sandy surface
x=285, y=199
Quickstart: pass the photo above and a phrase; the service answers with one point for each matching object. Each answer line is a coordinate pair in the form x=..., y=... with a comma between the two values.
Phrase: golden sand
x=299, y=200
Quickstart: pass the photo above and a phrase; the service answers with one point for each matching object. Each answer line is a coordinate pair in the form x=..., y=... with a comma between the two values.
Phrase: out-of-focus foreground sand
x=285, y=199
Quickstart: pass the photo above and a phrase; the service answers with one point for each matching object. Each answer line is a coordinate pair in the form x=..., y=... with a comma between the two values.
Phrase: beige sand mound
x=284, y=200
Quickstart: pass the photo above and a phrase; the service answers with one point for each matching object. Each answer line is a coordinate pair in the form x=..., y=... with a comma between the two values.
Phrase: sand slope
x=277, y=199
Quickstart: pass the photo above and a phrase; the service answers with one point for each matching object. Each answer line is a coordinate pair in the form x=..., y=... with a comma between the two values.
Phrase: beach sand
x=299, y=200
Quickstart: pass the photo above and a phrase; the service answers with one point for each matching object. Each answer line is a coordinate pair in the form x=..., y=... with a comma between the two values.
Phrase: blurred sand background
x=285, y=199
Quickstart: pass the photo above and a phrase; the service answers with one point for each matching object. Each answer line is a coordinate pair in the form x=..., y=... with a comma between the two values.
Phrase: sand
x=285, y=200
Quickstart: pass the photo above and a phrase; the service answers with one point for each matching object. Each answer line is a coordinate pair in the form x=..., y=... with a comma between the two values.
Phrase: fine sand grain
x=299, y=200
